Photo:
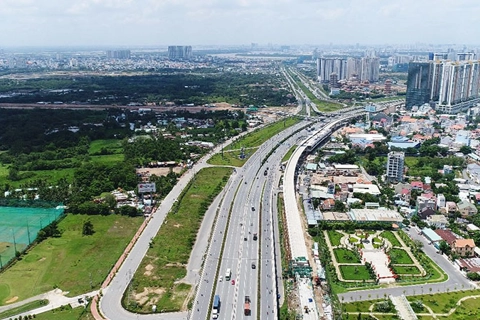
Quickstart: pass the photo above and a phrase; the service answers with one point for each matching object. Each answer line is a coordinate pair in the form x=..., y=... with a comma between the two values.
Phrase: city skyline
x=220, y=22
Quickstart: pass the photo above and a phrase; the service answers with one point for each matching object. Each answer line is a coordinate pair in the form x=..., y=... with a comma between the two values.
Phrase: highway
x=247, y=209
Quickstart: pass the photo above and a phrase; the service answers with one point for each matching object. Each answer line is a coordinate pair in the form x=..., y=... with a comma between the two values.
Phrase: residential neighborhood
x=413, y=169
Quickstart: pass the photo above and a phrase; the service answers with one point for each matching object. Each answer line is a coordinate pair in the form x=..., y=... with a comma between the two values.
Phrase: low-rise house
x=466, y=208
x=425, y=213
x=426, y=202
x=447, y=235
x=438, y=221
x=417, y=185
x=328, y=204
x=463, y=247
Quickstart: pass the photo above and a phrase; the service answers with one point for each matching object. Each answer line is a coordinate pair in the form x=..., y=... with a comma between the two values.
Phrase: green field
x=66, y=313
x=352, y=272
x=231, y=158
x=50, y=175
x=334, y=237
x=443, y=302
x=259, y=136
x=391, y=237
x=399, y=256
x=289, y=153
x=111, y=146
x=71, y=261
x=25, y=308
x=164, y=264
x=358, y=306
x=346, y=256
x=405, y=270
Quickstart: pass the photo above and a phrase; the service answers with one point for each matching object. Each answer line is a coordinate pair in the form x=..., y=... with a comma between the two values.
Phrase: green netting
x=19, y=227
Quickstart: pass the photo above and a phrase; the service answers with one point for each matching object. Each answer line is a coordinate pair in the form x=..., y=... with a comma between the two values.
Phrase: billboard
x=370, y=108
x=146, y=187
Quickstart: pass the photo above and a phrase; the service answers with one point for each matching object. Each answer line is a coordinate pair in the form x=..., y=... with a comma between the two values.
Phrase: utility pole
x=28, y=233
x=14, y=242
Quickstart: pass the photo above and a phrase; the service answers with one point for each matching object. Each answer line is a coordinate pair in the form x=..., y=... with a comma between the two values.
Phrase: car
x=233, y=282
x=253, y=208
x=220, y=279
x=253, y=266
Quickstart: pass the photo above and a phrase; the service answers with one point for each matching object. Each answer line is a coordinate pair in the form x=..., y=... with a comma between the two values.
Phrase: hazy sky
x=195, y=22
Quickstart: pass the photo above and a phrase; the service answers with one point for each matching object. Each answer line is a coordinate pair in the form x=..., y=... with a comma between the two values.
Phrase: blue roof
x=431, y=235
x=399, y=139
x=403, y=145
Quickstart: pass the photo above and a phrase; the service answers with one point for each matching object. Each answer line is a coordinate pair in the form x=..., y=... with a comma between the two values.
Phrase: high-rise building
x=388, y=86
x=395, y=165
x=453, y=85
x=333, y=80
x=366, y=68
x=327, y=66
x=419, y=83
x=179, y=52
x=118, y=54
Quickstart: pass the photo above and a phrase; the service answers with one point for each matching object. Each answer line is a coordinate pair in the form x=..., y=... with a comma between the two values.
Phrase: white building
x=395, y=165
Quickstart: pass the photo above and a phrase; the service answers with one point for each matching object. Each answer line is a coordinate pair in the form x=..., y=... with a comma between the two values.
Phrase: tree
x=339, y=206
x=110, y=200
x=444, y=247
x=466, y=150
x=87, y=229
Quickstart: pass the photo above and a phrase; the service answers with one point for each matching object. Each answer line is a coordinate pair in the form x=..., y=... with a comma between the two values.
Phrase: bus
x=216, y=306
x=228, y=274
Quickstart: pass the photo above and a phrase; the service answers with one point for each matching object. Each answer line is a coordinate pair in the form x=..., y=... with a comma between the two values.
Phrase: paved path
x=56, y=298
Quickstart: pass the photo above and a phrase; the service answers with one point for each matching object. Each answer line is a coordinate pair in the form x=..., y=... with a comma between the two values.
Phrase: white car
x=220, y=278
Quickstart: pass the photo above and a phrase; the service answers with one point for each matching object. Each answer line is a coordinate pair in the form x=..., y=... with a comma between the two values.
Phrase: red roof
x=446, y=235
x=417, y=184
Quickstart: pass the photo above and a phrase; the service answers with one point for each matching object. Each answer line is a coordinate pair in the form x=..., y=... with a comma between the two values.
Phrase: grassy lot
x=400, y=256
x=50, y=175
x=111, y=146
x=66, y=313
x=71, y=261
x=231, y=158
x=355, y=272
x=107, y=159
x=405, y=270
x=358, y=306
x=431, y=267
x=443, y=302
x=346, y=256
x=289, y=153
x=164, y=264
x=334, y=237
x=257, y=137
x=390, y=237
x=26, y=307
x=353, y=240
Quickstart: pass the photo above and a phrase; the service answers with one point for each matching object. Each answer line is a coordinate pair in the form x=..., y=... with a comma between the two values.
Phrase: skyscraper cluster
x=118, y=54
x=179, y=52
x=366, y=68
x=452, y=85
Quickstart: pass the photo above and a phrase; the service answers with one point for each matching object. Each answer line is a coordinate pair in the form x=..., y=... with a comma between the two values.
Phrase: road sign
x=146, y=187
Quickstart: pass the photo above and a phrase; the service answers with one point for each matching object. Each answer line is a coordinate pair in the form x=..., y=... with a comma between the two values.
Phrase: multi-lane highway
x=246, y=210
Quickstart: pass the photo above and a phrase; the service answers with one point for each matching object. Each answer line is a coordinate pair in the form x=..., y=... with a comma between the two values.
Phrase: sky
x=237, y=22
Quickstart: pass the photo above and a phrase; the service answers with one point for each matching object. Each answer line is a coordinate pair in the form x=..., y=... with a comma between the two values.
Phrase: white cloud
x=53, y=22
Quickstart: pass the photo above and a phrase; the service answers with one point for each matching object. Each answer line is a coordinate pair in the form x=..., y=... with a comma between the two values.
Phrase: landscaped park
x=371, y=256
x=461, y=305
x=360, y=259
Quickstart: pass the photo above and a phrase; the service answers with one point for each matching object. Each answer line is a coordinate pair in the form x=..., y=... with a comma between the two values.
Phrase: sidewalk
x=56, y=298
